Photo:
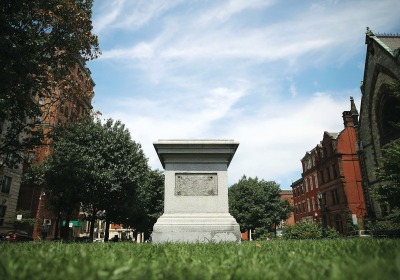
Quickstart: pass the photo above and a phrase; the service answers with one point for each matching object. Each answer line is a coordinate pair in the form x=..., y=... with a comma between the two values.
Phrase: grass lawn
x=275, y=259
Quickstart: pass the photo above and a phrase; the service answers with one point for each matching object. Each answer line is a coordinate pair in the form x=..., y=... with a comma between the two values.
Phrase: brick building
x=287, y=194
x=330, y=190
x=305, y=190
x=378, y=109
x=56, y=110
x=342, y=199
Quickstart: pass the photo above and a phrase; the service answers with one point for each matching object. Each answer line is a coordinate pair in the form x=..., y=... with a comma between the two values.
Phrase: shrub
x=306, y=230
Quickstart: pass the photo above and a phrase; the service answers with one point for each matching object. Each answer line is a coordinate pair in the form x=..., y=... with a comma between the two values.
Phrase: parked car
x=16, y=236
x=359, y=234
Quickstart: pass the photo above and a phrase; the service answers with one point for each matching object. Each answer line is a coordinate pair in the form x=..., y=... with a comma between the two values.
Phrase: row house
x=330, y=190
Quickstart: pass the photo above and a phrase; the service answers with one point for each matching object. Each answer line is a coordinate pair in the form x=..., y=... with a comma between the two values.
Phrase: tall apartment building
x=56, y=110
x=379, y=109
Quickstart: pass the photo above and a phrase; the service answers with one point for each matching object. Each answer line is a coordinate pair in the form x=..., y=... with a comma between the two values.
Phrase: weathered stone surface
x=382, y=68
x=196, y=184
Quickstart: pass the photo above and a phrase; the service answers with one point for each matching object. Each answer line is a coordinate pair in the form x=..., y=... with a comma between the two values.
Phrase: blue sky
x=271, y=75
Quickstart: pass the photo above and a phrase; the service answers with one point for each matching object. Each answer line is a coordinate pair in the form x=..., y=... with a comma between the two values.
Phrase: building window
x=308, y=205
x=313, y=203
x=2, y=214
x=334, y=170
x=335, y=197
x=322, y=177
x=6, y=184
x=311, y=183
x=328, y=171
x=338, y=223
x=316, y=181
x=306, y=182
x=10, y=161
x=299, y=208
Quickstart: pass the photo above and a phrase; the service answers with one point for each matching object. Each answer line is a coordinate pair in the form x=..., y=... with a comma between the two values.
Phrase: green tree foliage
x=257, y=204
x=306, y=230
x=40, y=41
x=388, y=172
x=151, y=199
x=389, y=191
x=96, y=166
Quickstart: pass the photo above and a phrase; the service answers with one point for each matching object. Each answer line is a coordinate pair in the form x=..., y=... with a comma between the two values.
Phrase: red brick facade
x=288, y=195
x=330, y=190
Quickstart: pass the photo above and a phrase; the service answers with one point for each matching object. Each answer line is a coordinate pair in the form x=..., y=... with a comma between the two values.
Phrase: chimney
x=348, y=119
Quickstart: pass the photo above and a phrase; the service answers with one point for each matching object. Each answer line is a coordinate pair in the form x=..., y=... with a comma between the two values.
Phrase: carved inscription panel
x=196, y=184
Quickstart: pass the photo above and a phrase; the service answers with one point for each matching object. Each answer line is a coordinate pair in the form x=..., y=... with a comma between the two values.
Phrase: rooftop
x=391, y=41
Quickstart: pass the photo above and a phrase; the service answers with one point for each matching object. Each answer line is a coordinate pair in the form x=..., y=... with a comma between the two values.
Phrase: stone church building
x=378, y=109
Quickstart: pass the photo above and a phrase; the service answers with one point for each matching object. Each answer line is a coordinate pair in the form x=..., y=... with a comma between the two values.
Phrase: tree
x=257, y=204
x=98, y=167
x=388, y=173
x=40, y=41
x=151, y=197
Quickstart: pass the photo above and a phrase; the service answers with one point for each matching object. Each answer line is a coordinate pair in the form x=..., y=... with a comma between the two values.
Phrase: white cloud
x=270, y=147
x=204, y=73
x=227, y=9
x=122, y=14
x=111, y=11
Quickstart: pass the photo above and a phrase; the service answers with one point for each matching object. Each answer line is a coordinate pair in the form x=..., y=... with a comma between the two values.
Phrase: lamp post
x=322, y=207
x=57, y=228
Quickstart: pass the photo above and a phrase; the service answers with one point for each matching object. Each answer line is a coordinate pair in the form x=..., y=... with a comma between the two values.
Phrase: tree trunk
x=65, y=229
x=107, y=231
x=56, y=230
x=92, y=222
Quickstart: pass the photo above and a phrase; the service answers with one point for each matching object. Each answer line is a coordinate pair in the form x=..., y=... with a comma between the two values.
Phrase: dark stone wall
x=381, y=70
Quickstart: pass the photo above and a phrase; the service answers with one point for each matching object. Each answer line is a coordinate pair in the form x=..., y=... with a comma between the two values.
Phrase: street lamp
x=322, y=207
x=316, y=217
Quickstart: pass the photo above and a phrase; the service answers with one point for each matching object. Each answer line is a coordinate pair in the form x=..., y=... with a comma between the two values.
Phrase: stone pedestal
x=196, y=192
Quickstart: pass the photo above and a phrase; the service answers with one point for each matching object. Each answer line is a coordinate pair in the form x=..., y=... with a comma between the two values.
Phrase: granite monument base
x=196, y=228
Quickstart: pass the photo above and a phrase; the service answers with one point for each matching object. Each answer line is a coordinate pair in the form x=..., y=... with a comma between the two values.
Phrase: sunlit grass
x=307, y=259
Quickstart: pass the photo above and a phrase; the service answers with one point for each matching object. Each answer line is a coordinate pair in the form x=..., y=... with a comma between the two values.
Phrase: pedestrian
x=45, y=229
